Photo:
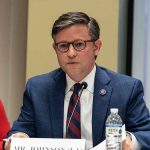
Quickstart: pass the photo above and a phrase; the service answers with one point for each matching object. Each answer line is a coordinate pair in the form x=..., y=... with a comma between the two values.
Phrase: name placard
x=47, y=144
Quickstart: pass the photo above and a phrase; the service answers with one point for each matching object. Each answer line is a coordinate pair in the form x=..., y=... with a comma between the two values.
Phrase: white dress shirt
x=86, y=103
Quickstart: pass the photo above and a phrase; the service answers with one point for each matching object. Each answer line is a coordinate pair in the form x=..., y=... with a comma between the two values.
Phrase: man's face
x=77, y=64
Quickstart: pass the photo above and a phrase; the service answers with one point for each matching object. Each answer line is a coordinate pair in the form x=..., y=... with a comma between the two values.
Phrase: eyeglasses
x=78, y=45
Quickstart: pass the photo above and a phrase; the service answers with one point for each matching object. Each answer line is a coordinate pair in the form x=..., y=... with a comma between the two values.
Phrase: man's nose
x=71, y=51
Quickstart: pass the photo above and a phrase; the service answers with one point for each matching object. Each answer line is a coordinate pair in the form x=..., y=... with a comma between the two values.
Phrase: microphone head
x=84, y=84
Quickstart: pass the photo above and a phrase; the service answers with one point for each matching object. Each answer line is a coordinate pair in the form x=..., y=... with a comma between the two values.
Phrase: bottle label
x=113, y=137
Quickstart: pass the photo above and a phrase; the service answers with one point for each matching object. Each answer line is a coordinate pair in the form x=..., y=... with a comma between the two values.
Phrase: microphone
x=83, y=86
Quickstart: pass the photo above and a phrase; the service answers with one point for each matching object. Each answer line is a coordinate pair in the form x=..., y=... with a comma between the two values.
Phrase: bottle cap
x=114, y=110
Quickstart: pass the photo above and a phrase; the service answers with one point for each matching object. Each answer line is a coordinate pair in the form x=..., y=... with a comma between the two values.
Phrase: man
x=46, y=98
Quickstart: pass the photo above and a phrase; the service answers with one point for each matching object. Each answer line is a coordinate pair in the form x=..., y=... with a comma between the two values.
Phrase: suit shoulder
x=47, y=77
x=118, y=77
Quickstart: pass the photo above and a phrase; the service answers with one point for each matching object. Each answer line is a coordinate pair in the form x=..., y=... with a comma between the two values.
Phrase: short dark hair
x=73, y=18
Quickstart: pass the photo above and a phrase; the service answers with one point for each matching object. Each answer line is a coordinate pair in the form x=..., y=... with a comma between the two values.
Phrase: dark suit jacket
x=43, y=106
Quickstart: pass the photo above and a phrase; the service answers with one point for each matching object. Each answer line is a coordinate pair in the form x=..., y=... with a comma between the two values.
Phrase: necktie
x=73, y=128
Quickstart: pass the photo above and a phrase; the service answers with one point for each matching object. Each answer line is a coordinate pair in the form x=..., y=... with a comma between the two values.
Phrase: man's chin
x=74, y=74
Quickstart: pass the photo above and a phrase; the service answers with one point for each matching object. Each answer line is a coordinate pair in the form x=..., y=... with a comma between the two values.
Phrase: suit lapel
x=102, y=94
x=57, y=94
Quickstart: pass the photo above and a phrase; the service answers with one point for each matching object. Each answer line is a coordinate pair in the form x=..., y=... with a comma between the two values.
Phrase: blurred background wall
x=26, y=43
x=13, y=31
x=141, y=45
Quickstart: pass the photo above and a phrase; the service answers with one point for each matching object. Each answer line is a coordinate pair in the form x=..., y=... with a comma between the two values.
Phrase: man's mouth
x=72, y=63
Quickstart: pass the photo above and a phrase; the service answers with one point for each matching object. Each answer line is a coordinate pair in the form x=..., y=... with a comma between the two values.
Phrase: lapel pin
x=102, y=92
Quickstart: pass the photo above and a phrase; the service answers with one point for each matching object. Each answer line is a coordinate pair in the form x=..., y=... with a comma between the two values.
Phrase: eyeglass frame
x=72, y=43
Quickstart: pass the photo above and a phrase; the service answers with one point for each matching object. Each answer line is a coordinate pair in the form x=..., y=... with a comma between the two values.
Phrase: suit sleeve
x=25, y=121
x=138, y=118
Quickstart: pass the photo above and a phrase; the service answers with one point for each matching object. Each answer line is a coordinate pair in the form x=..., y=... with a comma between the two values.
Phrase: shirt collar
x=89, y=79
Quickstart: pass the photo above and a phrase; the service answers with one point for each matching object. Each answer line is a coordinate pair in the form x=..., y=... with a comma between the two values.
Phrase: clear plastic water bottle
x=114, y=130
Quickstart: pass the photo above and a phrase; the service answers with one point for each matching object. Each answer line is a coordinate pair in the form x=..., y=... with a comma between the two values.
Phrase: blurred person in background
x=4, y=124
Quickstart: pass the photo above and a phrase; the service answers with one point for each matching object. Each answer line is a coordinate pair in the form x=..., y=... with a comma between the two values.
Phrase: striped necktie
x=73, y=127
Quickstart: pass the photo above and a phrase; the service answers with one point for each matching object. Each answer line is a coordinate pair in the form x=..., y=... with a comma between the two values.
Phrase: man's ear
x=98, y=45
x=54, y=46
